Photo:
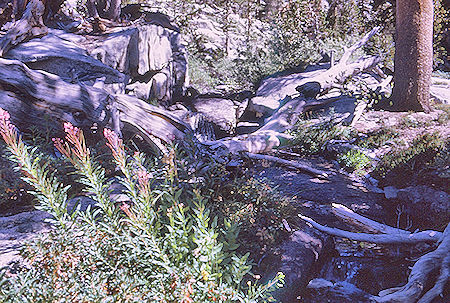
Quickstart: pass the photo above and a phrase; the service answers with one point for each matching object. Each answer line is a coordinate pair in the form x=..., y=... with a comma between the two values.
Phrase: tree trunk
x=113, y=11
x=413, y=55
x=107, y=9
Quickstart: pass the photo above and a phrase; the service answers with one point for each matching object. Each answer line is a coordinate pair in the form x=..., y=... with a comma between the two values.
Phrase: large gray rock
x=299, y=256
x=222, y=113
x=151, y=53
x=320, y=290
x=149, y=57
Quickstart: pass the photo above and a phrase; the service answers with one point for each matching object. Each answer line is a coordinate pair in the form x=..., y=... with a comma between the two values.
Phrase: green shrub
x=311, y=139
x=161, y=245
x=412, y=160
x=378, y=138
x=354, y=160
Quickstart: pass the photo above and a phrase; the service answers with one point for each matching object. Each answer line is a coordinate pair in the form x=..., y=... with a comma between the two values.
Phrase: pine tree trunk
x=113, y=11
x=413, y=60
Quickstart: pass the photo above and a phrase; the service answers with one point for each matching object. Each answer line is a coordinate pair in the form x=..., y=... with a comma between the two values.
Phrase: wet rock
x=418, y=198
x=390, y=192
x=221, y=112
x=320, y=291
x=299, y=258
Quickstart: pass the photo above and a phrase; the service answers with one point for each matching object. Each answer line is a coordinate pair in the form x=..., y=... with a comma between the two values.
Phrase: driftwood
x=44, y=100
x=389, y=238
x=29, y=26
x=367, y=224
x=270, y=135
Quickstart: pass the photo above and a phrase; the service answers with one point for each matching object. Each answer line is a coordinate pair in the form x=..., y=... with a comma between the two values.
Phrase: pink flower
x=115, y=144
x=143, y=178
x=126, y=209
x=7, y=129
x=4, y=115
x=61, y=147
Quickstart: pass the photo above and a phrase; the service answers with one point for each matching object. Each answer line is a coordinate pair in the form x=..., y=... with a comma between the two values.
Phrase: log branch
x=349, y=51
x=367, y=224
x=291, y=164
x=412, y=238
x=42, y=99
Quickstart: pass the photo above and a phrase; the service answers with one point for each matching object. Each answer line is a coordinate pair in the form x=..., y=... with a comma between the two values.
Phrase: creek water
x=367, y=266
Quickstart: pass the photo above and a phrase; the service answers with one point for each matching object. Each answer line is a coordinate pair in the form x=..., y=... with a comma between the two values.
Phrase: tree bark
x=413, y=61
x=43, y=100
x=29, y=26
x=113, y=11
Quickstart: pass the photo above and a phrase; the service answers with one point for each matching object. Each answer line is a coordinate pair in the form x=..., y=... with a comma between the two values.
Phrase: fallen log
x=273, y=91
x=291, y=164
x=410, y=238
x=44, y=100
x=292, y=104
x=367, y=224
x=29, y=26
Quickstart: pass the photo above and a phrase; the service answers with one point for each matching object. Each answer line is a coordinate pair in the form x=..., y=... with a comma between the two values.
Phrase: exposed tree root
x=419, y=277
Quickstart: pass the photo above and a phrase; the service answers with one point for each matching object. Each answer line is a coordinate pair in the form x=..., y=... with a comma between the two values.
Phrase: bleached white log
x=412, y=238
x=302, y=167
x=367, y=224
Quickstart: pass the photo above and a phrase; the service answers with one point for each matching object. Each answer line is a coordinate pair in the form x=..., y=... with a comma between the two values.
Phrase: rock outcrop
x=145, y=60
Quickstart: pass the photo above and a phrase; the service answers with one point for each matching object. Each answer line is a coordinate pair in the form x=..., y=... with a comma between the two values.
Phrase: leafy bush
x=161, y=245
x=311, y=139
x=378, y=139
x=354, y=160
x=411, y=161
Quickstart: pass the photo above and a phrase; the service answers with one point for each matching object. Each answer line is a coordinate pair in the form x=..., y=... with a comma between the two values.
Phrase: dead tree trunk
x=270, y=135
x=36, y=98
x=29, y=26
